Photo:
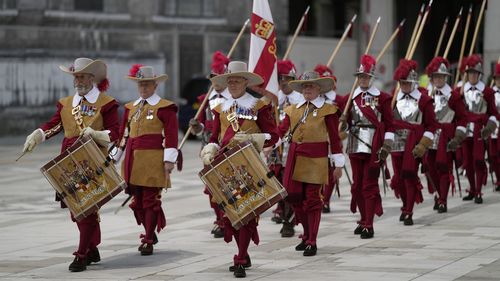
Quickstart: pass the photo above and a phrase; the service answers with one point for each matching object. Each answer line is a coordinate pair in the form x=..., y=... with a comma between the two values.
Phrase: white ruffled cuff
x=389, y=136
x=170, y=155
x=429, y=135
x=338, y=159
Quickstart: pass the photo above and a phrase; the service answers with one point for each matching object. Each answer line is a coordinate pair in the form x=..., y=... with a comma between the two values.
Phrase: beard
x=82, y=89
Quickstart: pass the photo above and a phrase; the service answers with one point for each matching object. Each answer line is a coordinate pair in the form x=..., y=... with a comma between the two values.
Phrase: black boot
x=469, y=197
x=326, y=209
x=310, y=250
x=146, y=249
x=277, y=219
x=301, y=246
x=93, y=256
x=436, y=204
x=478, y=199
x=402, y=217
x=408, y=220
x=248, y=264
x=287, y=230
x=358, y=230
x=78, y=264
x=239, y=271
x=442, y=208
x=367, y=233
x=497, y=188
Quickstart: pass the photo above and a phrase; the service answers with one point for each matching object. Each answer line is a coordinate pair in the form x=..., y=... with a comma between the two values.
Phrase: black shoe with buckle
x=469, y=197
x=248, y=264
x=358, y=230
x=442, y=208
x=301, y=247
x=93, y=256
x=367, y=233
x=287, y=230
x=478, y=199
x=78, y=264
x=402, y=217
x=218, y=232
x=239, y=271
x=146, y=249
x=436, y=204
x=408, y=220
x=326, y=209
x=310, y=250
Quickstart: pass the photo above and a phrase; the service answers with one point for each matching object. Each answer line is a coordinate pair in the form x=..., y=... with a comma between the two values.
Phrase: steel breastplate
x=475, y=103
x=360, y=137
x=406, y=110
x=444, y=114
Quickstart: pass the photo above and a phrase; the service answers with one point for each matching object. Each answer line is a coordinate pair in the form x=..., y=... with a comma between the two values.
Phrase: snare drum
x=83, y=178
x=241, y=184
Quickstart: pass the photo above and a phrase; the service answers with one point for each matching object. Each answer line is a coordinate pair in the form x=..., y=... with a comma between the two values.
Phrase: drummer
x=252, y=121
x=149, y=138
x=311, y=126
x=100, y=119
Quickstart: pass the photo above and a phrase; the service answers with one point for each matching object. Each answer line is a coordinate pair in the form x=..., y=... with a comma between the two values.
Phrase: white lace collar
x=225, y=94
x=480, y=86
x=152, y=100
x=91, y=97
x=446, y=90
x=293, y=98
x=318, y=102
x=372, y=91
x=416, y=94
x=246, y=101
x=331, y=95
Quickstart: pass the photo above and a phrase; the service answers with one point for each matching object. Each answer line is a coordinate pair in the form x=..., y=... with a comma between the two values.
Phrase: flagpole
x=297, y=31
x=355, y=84
x=341, y=41
x=229, y=54
x=453, y=32
x=441, y=36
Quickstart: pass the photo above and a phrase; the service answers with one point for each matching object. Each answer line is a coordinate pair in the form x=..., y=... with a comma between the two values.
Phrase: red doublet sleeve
x=457, y=105
x=284, y=126
x=332, y=125
x=54, y=121
x=489, y=96
x=267, y=124
x=202, y=118
x=168, y=115
x=215, y=128
x=111, y=120
x=341, y=103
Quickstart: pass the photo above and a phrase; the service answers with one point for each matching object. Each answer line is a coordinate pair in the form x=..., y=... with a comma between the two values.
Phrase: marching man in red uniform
x=203, y=126
x=369, y=142
x=100, y=118
x=254, y=122
x=451, y=115
x=149, y=138
x=495, y=144
x=286, y=97
x=312, y=127
x=414, y=124
x=331, y=97
x=481, y=117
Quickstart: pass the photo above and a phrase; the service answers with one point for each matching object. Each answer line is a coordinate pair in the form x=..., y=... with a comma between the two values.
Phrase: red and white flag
x=262, y=58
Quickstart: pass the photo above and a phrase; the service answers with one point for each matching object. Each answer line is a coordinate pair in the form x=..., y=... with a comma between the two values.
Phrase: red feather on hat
x=133, y=70
x=103, y=85
x=497, y=69
x=435, y=63
x=473, y=60
x=219, y=63
x=325, y=71
x=285, y=67
x=404, y=68
x=368, y=62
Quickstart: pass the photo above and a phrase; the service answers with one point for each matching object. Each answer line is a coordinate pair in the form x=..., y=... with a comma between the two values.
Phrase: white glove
x=256, y=139
x=208, y=152
x=33, y=140
x=100, y=137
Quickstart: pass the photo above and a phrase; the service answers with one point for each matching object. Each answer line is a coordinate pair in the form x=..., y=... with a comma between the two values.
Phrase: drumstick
x=123, y=204
x=24, y=153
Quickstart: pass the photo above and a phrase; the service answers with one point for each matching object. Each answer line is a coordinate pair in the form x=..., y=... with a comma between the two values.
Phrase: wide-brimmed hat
x=85, y=65
x=139, y=72
x=326, y=83
x=237, y=69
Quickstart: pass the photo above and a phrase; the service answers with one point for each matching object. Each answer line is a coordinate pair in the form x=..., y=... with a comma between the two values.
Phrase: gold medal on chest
x=150, y=115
